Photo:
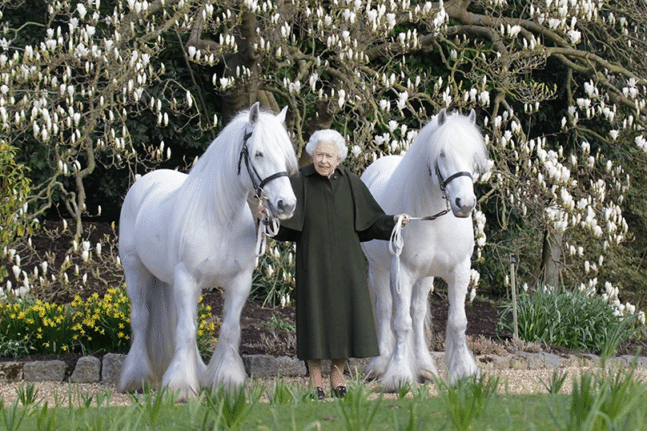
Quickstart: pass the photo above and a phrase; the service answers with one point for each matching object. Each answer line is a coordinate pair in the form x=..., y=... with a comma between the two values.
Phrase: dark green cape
x=333, y=307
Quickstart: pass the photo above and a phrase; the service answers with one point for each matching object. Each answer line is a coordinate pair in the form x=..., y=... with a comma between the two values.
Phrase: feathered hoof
x=465, y=370
x=183, y=381
x=394, y=381
x=229, y=385
x=130, y=386
x=376, y=367
x=185, y=388
x=427, y=375
x=133, y=378
x=184, y=393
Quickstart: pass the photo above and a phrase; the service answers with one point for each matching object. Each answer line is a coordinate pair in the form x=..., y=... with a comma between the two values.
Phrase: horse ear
x=253, y=113
x=472, y=117
x=442, y=117
x=281, y=115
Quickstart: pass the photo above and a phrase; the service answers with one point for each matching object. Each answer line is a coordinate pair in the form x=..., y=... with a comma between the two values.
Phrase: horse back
x=377, y=175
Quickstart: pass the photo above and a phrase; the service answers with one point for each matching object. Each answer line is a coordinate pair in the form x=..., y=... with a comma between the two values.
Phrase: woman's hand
x=405, y=218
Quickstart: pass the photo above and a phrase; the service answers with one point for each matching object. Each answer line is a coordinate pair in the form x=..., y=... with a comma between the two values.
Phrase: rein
x=267, y=225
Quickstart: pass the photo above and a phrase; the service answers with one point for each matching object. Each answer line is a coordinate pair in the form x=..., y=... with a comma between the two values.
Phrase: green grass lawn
x=598, y=401
x=504, y=413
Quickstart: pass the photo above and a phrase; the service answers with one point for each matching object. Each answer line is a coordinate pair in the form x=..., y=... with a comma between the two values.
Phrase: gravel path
x=511, y=381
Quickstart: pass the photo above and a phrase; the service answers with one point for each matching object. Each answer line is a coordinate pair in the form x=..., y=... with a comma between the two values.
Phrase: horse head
x=461, y=153
x=269, y=157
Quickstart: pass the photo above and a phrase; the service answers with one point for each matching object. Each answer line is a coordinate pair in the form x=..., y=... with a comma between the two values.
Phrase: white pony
x=181, y=233
x=434, y=176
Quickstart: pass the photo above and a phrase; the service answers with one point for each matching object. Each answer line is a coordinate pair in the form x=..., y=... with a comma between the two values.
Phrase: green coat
x=333, y=308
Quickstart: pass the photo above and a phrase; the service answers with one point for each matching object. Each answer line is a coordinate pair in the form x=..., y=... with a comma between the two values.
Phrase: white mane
x=458, y=138
x=212, y=189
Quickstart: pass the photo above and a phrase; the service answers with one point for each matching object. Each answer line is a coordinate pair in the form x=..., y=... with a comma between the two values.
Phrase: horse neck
x=217, y=188
x=413, y=188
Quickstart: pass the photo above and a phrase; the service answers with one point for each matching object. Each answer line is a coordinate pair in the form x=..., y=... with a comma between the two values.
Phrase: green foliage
x=572, y=319
x=102, y=324
x=86, y=326
x=274, y=276
x=282, y=393
x=151, y=403
x=27, y=395
x=605, y=402
x=280, y=325
x=556, y=382
x=14, y=190
x=12, y=416
x=601, y=401
x=357, y=411
x=10, y=347
x=467, y=399
x=231, y=407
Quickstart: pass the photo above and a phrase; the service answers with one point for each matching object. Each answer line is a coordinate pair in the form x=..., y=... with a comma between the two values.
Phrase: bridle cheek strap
x=251, y=170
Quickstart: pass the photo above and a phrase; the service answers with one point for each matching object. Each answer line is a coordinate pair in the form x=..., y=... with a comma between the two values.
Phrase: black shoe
x=320, y=394
x=339, y=391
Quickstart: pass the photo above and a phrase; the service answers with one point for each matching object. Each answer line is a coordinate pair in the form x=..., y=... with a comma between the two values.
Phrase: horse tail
x=162, y=321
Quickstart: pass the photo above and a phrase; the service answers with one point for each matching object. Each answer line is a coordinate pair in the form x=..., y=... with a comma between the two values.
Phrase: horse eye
x=442, y=154
x=258, y=155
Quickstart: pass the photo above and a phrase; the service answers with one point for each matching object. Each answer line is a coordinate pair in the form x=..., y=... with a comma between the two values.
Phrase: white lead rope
x=395, y=247
x=396, y=243
x=267, y=226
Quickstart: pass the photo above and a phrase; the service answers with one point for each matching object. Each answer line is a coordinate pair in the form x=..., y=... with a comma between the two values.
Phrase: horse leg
x=137, y=366
x=226, y=366
x=425, y=366
x=379, y=282
x=401, y=367
x=182, y=375
x=459, y=359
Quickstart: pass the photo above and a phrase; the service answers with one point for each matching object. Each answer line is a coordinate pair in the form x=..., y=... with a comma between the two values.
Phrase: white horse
x=434, y=176
x=181, y=233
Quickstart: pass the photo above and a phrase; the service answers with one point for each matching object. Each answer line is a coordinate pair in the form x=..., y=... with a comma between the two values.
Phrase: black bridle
x=443, y=188
x=257, y=182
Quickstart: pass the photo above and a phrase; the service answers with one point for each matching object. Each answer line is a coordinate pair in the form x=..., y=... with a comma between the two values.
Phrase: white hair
x=330, y=136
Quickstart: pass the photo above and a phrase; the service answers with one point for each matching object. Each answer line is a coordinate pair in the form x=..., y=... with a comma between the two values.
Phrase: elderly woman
x=335, y=212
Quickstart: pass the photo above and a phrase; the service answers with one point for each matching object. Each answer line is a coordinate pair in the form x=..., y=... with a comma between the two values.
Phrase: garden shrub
x=274, y=281
x=94, y=325
x=572, y=319
x=14, y=189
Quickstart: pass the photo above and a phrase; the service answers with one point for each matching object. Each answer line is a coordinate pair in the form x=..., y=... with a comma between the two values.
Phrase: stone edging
x=90, y=369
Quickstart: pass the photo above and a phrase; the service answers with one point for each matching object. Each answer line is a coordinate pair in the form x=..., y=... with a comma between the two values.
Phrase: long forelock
x=458, y=138
x=271, y=138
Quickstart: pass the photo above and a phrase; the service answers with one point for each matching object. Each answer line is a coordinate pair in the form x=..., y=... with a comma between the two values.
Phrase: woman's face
x=326, y=158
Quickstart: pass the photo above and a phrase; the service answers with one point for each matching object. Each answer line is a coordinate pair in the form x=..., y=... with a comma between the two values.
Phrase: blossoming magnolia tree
x=559, y=88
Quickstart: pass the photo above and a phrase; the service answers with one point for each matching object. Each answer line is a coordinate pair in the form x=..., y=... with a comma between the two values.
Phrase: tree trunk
x=551, y=258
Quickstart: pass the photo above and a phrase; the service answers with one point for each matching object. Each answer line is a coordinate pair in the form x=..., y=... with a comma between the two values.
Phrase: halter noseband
x=257, y=182
x=443, y=183
x=443, y=188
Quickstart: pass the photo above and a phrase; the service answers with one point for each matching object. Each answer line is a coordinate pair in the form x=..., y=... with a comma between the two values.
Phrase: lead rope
x=267, y=226
x=395, y=247
x=396, y=243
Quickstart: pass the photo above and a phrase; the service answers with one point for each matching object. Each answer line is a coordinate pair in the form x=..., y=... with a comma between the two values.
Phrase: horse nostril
x=280, y=205
x=458, y=202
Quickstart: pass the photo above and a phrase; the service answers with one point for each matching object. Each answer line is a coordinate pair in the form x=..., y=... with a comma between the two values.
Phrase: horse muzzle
x=281, y=209
x=462, y=208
